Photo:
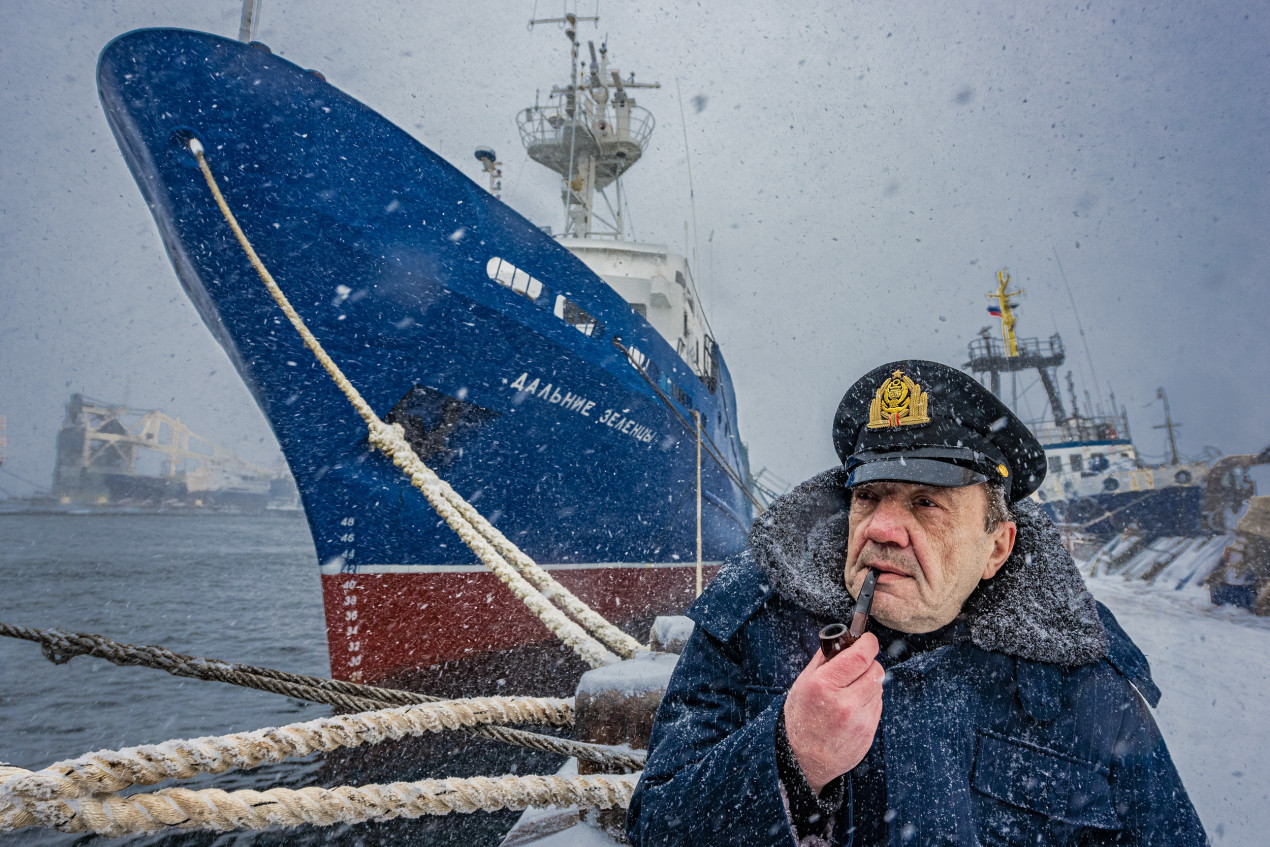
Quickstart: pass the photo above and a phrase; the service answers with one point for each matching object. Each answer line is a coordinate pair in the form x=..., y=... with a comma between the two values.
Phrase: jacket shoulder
x=735, y=595
x=1127, y=659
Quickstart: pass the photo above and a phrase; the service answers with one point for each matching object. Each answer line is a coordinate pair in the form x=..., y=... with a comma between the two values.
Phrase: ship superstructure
x=591, y=132
x=1096, y=482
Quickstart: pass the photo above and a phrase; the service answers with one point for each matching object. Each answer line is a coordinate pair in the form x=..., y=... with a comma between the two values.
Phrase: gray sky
x=864, y=168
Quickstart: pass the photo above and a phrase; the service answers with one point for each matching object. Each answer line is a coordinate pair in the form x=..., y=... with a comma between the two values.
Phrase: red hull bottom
x=462, y=632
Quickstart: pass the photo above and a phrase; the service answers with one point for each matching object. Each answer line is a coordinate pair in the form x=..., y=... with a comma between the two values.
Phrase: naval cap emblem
x=898, y=402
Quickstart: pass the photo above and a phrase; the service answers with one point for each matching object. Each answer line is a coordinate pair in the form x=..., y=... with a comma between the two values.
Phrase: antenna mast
x=987, y=355
x=1169, y=425
x=590, y=133
x=1006, y=312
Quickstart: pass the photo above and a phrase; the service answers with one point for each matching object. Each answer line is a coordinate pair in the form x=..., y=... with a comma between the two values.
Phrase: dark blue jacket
x=983, y=741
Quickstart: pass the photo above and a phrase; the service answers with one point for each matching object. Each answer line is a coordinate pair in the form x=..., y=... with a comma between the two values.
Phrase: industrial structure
x=113, y=455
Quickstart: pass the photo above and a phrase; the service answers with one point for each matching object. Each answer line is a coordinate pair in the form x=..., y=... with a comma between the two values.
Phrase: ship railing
x=1098, y=428
x=994, y=348
x=549, y=125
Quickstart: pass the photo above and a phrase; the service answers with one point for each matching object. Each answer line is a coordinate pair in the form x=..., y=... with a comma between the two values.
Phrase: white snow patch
x=671, y=632
x=640, y=675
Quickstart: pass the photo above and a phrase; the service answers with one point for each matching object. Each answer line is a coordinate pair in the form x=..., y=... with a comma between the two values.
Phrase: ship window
x=641, y=309
x=1098, y=463
x=1056, y=464
x=682, y=396
x=573, y=314
x=668, y=387
x=1075, y=461
x=510, y=276
x=640, y=362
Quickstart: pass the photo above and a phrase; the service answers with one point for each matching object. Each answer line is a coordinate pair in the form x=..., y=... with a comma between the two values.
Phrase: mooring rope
x=108, y=771
x=517, y=570
x=79, y=795
x=218, y=810
x=59, y=647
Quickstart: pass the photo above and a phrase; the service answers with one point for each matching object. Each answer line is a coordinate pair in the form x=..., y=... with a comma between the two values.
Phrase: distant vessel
x=115, y=459
x=555, y=382
x=1097, y=485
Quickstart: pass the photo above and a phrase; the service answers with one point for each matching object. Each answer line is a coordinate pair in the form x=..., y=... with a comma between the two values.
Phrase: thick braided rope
x=108, y=771
x=391, y=440
x=13, y=815
x=214, y=809
x=60, y=647
x=619, y=641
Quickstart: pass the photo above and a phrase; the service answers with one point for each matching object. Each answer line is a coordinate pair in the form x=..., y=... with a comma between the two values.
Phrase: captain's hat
x=923, y=422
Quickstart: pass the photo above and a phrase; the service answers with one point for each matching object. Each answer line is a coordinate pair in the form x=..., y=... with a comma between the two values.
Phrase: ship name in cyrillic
x=558, y=395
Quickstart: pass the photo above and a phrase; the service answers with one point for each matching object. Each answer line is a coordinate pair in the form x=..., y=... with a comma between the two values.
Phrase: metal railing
x=542, y=124
x=1031, y=348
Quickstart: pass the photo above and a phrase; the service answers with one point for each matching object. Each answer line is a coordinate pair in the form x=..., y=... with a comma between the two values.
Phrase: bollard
x=616, y=704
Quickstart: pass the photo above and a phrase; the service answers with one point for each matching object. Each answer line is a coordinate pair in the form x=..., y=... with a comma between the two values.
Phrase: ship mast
x=1169, y=425
x=987, y=355
x=1007, y=311
x=590, y=133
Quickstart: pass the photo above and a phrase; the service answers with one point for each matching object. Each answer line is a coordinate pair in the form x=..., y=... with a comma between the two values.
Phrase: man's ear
x=1002, y=543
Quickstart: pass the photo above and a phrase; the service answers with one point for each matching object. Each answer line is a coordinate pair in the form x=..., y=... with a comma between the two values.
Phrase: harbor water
x=234, y=588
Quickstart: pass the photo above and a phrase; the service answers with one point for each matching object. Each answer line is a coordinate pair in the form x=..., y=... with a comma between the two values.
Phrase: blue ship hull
x=383, y=249
x=1174, y=510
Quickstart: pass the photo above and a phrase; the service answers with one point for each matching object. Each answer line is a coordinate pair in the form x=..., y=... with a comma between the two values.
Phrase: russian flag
x=995, y=311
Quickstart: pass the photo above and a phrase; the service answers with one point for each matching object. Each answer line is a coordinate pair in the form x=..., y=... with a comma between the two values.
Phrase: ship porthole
x=1182, y=477
x=1110, y=484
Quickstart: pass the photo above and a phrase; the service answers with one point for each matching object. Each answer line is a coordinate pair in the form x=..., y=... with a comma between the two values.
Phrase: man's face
x=930, y=547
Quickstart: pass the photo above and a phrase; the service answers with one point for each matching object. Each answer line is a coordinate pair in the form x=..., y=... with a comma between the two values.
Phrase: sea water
x=242, y=589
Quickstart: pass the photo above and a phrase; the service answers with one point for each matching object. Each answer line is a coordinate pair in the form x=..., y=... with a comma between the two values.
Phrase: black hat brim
x=924, y=471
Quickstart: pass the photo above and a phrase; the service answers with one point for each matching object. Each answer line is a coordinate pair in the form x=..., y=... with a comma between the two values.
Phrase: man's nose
x=889, y=523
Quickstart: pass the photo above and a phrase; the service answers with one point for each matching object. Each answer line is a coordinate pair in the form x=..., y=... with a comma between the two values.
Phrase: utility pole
x=1169, y=425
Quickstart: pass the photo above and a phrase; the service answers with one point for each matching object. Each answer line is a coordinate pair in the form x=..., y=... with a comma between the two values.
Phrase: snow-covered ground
x=1213, y=665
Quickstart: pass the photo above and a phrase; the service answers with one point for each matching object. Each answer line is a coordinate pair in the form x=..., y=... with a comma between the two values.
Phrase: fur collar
x=1036, y=607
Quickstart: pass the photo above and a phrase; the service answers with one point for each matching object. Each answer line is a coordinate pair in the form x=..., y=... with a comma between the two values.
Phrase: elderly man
x=992, y=702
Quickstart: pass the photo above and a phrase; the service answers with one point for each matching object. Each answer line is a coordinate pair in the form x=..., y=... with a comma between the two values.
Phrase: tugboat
x=568, y=386
x=1097, y=484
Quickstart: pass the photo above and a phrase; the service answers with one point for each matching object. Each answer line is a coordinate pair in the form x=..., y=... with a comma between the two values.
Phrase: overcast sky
x=861, y=171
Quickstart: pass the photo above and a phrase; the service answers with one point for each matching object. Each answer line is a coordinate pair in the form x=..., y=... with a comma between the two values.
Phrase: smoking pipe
x=837, y=637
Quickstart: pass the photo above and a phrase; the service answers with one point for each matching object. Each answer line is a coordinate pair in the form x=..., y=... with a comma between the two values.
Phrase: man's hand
x=833, y=709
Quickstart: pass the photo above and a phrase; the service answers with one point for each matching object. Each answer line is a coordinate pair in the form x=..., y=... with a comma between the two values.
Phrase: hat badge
x=898, y=402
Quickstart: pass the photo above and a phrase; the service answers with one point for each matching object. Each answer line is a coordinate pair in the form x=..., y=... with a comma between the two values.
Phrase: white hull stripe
x=336, y=567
